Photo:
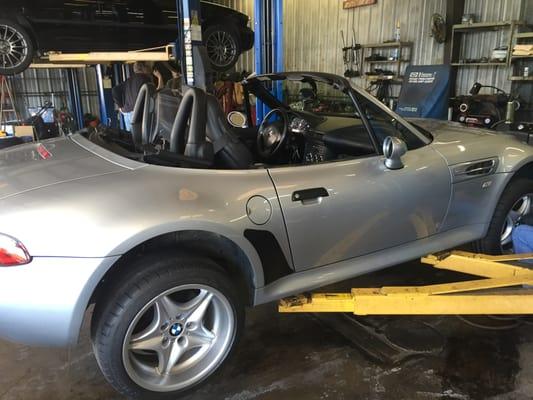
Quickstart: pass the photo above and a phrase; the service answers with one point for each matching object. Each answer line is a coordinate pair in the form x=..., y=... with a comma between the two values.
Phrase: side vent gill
x=474, y=169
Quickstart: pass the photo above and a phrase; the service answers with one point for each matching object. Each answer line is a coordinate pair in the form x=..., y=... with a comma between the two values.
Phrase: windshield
x=312, y=96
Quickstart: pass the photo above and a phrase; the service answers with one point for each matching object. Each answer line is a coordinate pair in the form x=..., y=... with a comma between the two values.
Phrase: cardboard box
x=24, y=130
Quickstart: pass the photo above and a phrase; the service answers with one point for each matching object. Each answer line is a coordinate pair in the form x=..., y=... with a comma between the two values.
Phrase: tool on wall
x=438, y=28
x=350, y=56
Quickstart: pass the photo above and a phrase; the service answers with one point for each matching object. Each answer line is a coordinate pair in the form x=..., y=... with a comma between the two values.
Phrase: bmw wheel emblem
x=176, y=329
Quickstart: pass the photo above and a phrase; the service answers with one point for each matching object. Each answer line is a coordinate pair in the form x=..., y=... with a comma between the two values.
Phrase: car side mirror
x=393, y=150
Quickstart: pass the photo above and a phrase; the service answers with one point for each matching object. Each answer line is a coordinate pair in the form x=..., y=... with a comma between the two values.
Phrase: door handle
x=309, y=194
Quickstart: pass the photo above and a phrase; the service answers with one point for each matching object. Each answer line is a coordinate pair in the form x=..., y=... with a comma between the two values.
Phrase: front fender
x=515, y=159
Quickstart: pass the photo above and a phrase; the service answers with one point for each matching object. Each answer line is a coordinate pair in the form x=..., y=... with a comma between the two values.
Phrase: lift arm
x=163, y=53
x=501, y=292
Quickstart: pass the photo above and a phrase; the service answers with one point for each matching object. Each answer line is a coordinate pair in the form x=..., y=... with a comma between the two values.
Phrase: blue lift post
x=101, y=95
x=268, y=44
x=105, y=97
x=189, y=45
x=188, y=49
x=75, y=96
x=120, y=74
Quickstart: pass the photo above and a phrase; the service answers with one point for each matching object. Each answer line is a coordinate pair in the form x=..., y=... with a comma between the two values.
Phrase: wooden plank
x=487, y=64
x=103, y=57
x=484, y=25
x=45, y=65
x=523, y=35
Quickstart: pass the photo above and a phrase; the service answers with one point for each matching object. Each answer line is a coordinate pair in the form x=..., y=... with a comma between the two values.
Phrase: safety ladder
x=8, y=111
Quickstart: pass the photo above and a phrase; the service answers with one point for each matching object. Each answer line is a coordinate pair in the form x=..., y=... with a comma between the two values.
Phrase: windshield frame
x=254, y=85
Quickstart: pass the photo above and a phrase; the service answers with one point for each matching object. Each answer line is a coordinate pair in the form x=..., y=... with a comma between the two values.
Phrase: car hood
x=35, y=165
x=459, y=143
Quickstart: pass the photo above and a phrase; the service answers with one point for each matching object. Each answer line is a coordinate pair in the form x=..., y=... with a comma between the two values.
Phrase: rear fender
x=236, y=237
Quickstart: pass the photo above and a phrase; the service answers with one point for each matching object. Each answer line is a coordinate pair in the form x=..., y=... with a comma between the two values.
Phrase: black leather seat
x=188, y=136
x=230, y=151
x=143, y=113
x=166, y=107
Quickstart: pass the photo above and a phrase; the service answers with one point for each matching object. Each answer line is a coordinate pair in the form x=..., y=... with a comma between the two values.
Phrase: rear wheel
x=16, y=48
x=167, y=327
x=515, y=203
x=223, y=47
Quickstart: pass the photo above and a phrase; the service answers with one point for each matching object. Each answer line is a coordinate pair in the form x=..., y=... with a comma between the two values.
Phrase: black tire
x=147, y=278
x=515, y=190
x=22, y=40
x=229, y=43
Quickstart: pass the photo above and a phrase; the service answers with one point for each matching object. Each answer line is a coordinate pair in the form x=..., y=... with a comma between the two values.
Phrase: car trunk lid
x=31, y=166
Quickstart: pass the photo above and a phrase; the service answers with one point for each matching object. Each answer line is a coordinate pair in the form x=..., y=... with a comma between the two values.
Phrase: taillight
x=12, y=252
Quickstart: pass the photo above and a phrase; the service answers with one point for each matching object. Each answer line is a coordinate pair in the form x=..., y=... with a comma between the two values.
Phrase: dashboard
x=314, y=151
x=321, y=138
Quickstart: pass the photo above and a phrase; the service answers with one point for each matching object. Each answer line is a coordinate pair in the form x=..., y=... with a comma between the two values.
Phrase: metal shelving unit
x=459, y=30
x=405, y=50
x=517, y=62
x=521, y=78
x=480, y=64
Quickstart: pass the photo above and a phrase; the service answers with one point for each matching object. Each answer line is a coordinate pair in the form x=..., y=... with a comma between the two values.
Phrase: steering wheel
x=269, y=136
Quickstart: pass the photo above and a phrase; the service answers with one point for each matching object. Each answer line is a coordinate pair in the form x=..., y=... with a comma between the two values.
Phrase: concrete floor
x=299, y=357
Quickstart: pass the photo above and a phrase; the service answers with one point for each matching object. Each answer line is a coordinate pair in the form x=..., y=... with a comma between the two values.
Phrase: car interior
x=303, y=125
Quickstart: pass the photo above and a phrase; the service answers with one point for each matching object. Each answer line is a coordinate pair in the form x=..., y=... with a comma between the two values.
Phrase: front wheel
x=515, y=203
x=16, y=48
x=167, y=327
x=223, y=47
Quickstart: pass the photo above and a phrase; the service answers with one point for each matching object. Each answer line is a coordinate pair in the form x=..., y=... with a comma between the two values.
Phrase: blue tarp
x=424, y=92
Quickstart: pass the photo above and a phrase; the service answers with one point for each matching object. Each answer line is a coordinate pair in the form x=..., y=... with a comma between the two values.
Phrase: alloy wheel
x=519, y=209
x=221, y=48
x=13, y=47
x=179, y=338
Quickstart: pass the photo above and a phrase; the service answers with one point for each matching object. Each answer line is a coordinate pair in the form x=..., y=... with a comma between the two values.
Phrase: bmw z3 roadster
x=172, y=230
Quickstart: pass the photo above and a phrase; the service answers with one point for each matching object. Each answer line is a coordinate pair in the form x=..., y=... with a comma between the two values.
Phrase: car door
x=71, y=26
x=344, y=209
x=150, y=23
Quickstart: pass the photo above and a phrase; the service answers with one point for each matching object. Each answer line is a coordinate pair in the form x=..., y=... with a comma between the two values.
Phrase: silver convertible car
x=173, y=230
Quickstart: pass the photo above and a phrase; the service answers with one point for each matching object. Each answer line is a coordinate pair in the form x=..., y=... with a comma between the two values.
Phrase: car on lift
x=172, y=230
x=29, y=29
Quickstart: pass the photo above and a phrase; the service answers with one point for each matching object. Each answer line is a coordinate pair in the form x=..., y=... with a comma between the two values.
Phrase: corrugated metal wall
x=312, y=33
x=34, y=87
x=313, y=41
